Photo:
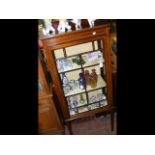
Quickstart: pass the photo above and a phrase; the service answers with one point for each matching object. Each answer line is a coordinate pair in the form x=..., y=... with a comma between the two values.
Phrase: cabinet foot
x=69, y=125
x=112, y=120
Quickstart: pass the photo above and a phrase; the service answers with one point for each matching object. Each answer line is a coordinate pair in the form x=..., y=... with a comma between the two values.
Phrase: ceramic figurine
x=64, y=79
x=77, y=23
x=60, y=65
x=64, y=64
x=63, y=26
x=68, y=27
x=81, y=81
x=91, y=22
x=48, y=29
x=75, y=102
x=66, y=88
x=91, y=100
x=81, y=99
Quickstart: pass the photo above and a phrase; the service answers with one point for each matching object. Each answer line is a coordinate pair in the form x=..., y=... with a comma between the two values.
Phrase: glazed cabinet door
x=80, y=66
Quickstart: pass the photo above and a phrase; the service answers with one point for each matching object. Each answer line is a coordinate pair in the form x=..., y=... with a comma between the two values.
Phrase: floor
x=93, y=126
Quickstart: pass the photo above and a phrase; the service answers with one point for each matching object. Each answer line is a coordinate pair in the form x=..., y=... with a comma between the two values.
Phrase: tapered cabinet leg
x=112, y=120
x=69, y=125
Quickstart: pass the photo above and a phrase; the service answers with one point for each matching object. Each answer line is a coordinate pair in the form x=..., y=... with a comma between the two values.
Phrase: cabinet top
x=75, y=32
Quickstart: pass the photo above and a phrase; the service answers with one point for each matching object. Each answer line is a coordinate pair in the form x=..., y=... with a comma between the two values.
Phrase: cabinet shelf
x=86, y=109
x=78, y=68
x=90, y=112
x=100, y=84
x=75, y=92
x=75, y=66
x=87, y=104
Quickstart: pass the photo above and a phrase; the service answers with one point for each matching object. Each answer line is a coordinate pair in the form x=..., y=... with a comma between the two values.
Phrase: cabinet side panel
x=56, y=80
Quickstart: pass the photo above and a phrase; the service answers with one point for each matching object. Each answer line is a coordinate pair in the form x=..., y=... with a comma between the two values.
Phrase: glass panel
x=59, y=53
x=76, y=101
x=96, y=45
x=78, y=49
x=82, y=74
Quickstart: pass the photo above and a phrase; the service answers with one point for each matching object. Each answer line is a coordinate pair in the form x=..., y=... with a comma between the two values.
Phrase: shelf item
x=80, y=99
x=67, y=64
x=96, y=96
x=93, y=58
x=68, y=92
x=64, y=79
x=81, y=81
x=75, y=62
x=78, y=60
x=100, y=84
x=73, y=111
x=103, y=103
x=93, y=106
x=71, y=87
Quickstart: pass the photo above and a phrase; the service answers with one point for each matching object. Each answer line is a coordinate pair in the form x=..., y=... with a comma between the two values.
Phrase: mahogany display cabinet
x=80, y=66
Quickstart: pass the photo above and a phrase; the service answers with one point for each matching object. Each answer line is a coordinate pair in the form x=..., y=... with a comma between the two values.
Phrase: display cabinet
x=80, y=65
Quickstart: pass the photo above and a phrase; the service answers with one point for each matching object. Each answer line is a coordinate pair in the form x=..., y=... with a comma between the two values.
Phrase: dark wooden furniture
x=114, y=67
x=80, y=43
x=49, y=122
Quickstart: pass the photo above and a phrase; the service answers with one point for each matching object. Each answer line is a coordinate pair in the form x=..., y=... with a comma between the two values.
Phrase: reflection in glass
x=40, y=88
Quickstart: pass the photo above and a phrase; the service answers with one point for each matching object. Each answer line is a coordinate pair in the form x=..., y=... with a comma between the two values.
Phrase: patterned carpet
x=93, y=126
